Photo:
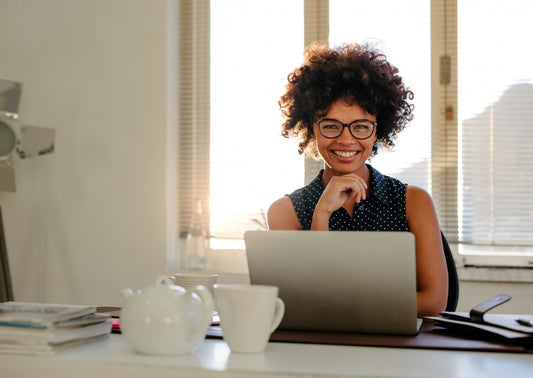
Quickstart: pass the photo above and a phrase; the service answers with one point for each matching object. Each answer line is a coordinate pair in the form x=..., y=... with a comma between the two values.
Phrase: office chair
x=453, y=279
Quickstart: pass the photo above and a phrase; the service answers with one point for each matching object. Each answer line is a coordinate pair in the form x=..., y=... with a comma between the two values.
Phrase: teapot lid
x=166, y=283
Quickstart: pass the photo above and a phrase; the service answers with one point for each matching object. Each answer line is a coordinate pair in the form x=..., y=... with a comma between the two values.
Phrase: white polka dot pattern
x=383, y=209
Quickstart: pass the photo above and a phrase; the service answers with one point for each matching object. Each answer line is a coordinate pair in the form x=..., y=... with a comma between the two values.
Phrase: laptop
x=343, y=281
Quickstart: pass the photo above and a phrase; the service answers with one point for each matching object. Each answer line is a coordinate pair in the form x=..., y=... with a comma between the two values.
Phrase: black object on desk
x=524, y=322
x=6, y=290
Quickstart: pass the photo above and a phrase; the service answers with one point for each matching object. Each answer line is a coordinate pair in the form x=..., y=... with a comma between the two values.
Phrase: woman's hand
x=339, y=190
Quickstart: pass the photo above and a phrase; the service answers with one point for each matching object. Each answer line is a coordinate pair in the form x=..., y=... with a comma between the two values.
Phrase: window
x=275, y=52
x=236, y=57
x=355, y=21
x=495, y=96
x=251, y=164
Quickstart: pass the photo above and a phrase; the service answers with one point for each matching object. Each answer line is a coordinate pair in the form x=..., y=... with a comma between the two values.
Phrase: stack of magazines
x=43, y=329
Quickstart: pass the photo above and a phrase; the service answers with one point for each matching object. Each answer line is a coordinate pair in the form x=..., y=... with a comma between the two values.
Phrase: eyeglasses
x=360, y=129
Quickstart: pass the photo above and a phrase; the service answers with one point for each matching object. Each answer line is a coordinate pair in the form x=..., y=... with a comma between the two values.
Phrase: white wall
x=475, y=292
x=91, y=218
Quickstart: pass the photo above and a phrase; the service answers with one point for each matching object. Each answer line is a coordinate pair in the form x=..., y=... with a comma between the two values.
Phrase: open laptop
x=346, y=281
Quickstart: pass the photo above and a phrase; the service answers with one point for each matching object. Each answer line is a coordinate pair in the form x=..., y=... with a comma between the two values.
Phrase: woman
x=344, y=104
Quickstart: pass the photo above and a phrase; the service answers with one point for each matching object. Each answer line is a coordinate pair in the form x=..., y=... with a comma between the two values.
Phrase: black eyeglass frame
x=348, y=125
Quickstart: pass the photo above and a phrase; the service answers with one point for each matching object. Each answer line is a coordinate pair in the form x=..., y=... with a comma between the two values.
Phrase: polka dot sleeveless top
x=382, y=210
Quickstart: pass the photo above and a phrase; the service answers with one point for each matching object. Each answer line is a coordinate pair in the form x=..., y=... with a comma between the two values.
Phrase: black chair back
x=453, y=279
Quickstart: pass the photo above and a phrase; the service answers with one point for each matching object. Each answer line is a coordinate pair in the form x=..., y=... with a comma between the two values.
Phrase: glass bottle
x=197, y=243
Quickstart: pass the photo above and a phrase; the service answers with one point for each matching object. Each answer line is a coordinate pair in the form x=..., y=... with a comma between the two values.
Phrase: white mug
x=191, y=279
x=248, y=315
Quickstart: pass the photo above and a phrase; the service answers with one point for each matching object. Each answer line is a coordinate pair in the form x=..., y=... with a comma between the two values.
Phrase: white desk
x=114, y=358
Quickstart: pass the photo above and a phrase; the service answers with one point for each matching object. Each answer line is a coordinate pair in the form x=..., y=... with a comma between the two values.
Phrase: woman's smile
x=345, y=154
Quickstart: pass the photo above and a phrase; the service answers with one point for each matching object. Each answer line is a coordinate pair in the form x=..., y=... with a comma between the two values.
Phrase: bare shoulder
x=420, y=209
x=281, y=215
x=416, y=196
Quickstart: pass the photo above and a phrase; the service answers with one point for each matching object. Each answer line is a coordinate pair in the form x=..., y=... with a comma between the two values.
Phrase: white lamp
x=17, y=140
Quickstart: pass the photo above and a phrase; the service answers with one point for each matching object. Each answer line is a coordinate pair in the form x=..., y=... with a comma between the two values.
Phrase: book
x=48, y=349
x=95, y=326
x=40, y=314
x=43, y=329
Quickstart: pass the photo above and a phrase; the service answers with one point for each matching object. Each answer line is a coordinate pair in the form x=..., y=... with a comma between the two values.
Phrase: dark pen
x=524, y=322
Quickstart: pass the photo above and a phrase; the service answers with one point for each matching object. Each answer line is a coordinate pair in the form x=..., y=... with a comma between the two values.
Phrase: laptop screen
x=349, y=281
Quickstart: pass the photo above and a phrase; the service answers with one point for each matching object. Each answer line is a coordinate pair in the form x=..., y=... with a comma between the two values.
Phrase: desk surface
x=113, y=357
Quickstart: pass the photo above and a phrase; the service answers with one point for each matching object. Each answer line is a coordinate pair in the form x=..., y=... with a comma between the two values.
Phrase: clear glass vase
x=197, y=243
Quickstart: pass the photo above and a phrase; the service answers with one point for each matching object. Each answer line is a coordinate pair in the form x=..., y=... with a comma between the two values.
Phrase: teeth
x=345, y=153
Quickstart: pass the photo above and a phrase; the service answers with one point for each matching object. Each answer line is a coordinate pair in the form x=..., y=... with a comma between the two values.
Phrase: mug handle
x=207, y=300
x=278, y=314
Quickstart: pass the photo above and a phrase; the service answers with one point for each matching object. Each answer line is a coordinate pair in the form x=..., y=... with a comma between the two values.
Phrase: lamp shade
x=8, y=140
x=17, y=140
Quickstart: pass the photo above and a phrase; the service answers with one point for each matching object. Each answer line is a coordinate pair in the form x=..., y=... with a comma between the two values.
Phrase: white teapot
x=165, y=318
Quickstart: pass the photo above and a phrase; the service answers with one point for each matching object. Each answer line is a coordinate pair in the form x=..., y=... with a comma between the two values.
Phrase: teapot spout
x=126, y=293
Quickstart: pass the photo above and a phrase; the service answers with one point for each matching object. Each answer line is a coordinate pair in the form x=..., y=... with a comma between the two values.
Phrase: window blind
x=194, y=110
x=410, y=159
x=495, y=96
x=444, y=140
x=254, y=46
x=228, y=110
x=316, y=29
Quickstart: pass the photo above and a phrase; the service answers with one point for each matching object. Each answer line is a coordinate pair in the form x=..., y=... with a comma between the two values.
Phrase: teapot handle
x=209, y=306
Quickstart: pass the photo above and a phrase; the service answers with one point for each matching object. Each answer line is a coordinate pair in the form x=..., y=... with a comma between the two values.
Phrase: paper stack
x=41, y=328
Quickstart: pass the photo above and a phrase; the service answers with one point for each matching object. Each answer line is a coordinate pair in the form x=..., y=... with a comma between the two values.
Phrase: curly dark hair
x=357, y=74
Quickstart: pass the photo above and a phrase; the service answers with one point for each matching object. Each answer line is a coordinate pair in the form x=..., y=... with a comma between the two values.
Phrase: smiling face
x=345, y=154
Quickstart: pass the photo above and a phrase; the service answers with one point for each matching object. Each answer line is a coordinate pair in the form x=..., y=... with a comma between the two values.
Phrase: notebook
x=346, y=281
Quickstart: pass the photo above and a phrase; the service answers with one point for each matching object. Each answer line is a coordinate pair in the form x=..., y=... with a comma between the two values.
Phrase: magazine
x=48, y=349
x=36, y=335
x=43, y=329
x=40, y=314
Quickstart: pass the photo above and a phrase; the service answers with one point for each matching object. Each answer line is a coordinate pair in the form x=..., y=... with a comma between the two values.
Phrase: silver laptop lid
x=347, y=281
